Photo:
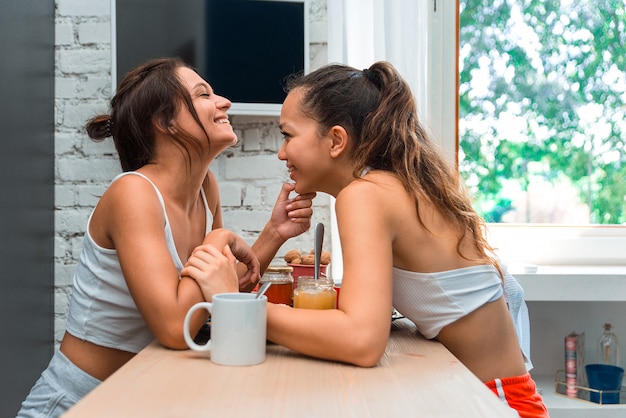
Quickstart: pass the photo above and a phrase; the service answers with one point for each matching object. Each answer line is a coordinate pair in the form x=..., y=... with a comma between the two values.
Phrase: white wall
x=250, y=174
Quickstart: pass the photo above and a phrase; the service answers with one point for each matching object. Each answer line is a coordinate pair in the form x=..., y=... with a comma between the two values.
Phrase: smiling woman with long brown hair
x=155, y=231
x=410, y=239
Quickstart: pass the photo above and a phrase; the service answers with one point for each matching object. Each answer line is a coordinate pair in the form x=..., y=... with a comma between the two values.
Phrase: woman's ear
x=170, y=129
x=339, y=140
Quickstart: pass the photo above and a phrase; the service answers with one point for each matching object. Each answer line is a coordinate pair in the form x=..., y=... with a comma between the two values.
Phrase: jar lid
x=279, y=269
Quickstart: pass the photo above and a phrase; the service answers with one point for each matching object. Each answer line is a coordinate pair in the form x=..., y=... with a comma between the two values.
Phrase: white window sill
x=573, y=283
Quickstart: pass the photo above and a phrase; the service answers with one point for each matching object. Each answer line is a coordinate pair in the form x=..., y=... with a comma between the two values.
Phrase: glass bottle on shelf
x=608, y=347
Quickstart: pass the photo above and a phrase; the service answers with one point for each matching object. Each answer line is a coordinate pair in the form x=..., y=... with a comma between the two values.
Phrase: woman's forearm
x=265, y=248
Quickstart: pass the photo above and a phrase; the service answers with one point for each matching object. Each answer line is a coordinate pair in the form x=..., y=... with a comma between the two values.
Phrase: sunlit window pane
x=542, y=129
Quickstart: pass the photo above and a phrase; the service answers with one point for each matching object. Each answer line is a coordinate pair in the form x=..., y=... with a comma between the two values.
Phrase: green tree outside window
x=542, y=124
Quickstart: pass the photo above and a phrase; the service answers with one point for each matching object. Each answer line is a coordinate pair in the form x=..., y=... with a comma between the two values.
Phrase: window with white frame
x=436, y=86
x=542, y=133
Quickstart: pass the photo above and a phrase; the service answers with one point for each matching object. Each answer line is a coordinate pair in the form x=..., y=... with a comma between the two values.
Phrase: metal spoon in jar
x=262, y=289
x=319, y=239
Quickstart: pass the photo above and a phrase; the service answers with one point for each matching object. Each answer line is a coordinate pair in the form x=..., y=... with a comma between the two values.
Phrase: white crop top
x=434, y=300
x=102, y=311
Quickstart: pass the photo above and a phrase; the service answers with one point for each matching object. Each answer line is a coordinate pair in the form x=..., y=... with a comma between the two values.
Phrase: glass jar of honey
x=281, y=290
x=315, y=294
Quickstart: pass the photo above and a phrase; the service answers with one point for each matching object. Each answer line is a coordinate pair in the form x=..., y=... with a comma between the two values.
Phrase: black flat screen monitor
x=243, y=48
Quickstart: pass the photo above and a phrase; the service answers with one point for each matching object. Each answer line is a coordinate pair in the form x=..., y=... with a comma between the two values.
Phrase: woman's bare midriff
x=95, y=360
x=485, y=341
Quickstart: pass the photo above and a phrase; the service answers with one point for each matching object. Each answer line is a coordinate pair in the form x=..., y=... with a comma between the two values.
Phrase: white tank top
x=102, y=311
x=434, y=300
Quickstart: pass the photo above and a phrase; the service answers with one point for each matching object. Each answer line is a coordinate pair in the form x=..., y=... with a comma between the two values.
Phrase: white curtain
x=361, y=32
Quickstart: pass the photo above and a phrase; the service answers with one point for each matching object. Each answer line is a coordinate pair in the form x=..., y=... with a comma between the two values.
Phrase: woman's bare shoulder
x=131, y=187
x=129, y=200
x=128, y=203
x=377, y=186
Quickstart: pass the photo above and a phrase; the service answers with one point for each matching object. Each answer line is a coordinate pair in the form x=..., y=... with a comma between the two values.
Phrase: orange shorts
x=520, y=393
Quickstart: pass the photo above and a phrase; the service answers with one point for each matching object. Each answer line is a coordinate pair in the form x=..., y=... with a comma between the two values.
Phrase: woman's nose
x=281, y=152
x=222, y=102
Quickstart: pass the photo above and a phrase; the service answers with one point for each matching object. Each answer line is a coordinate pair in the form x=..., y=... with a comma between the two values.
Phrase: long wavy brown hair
x=377, y=109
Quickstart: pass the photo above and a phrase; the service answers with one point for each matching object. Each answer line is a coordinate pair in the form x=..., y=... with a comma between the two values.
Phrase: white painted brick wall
x=249, y=174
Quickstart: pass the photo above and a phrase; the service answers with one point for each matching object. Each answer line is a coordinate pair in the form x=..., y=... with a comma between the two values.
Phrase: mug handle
x=190, y=342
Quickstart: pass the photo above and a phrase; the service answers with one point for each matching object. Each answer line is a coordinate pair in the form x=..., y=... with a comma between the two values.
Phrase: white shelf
x=563, y=407
x=574, y=283
x=569, y=284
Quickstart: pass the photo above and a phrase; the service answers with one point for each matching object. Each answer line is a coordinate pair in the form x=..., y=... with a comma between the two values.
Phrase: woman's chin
x=302, y=189
x=297, y=187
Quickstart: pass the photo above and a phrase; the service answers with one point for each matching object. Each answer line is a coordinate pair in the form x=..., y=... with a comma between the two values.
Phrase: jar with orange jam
x=281, y=290
x=315, y=294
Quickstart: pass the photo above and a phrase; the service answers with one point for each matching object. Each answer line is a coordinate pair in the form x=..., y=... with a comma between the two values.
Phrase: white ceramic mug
x=238, y=329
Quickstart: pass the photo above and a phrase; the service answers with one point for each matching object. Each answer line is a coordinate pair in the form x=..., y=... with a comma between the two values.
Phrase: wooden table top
x=415, y=377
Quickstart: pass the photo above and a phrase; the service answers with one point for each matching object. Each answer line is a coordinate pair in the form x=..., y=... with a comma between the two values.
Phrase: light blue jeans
x=60, y=386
